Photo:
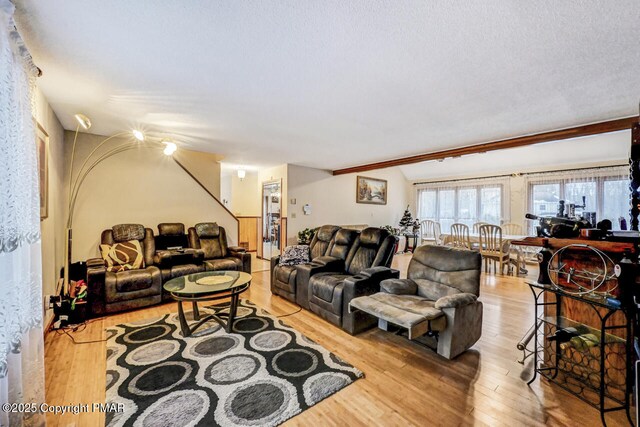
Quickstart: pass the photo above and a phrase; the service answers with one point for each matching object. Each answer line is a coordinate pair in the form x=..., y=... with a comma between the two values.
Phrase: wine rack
x=599, y=375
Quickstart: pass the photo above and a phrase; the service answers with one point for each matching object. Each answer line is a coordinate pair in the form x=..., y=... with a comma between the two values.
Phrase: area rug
x=262, y=374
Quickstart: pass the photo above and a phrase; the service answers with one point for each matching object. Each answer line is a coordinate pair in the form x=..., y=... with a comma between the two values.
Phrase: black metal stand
x=584, y=373
x=410, y=242
x=224, y=319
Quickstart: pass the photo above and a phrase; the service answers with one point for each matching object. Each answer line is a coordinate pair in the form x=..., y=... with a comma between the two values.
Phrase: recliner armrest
x=163, y=258
x=379, y=272
x=236, y=249
x=399, y=286
x=367, y=282
x=274, y=261
x=456, y=300
x=245, y=257
x=95, y=262
x=331, y=263
x=96, y=272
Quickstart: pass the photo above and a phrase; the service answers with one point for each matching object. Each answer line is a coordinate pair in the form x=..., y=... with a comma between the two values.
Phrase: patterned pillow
x=123, y=256
x=294, y=255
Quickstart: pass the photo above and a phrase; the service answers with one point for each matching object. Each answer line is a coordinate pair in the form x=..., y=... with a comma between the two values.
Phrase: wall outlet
x=293, y=215
x=48, y=301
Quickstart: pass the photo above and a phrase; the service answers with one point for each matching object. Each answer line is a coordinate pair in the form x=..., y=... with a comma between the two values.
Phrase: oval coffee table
x=208, y=286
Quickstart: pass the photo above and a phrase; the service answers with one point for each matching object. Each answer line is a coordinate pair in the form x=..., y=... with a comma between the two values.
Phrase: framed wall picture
x=371, y=190
x=42, y=144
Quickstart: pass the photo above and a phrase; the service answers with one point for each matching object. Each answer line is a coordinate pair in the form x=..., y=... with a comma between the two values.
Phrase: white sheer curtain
x=21, y=342
x=464, y=201
x=606, y=192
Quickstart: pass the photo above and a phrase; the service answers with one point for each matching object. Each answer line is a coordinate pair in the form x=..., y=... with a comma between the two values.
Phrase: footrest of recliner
x=416, y=324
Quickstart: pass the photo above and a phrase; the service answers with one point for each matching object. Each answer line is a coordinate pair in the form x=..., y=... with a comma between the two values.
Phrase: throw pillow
x=123, y=256
x=294, y=255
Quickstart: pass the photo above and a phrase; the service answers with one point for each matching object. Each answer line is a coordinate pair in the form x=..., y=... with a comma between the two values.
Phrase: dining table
x=474, y=239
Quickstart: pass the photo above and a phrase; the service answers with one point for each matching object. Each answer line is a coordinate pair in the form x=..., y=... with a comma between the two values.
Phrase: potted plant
x=305, y=236
x=391, y=229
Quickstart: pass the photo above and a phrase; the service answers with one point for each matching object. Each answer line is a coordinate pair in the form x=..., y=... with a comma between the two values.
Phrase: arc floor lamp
x=90, y=162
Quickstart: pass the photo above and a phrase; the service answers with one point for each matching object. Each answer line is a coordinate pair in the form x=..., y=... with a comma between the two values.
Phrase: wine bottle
x=581, y=342
x=565, y=334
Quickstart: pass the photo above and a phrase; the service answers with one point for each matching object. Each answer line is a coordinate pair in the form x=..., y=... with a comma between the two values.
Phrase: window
x=463, y=203
x=616, y=200
x=607, y=195
x=545, y=199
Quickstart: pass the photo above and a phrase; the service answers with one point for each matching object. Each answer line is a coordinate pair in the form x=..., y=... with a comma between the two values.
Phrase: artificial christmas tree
x=406, y=222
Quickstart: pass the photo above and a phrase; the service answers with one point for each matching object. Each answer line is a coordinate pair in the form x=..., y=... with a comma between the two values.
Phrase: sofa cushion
x=123, y=256
x=126, y=232
x=211, y=247
x=185, y=269
x=134, y=280
x=440, y=271
x=207, y=230
x=323, y=284
x=399, y=286
x=342, y=243
x=223, y=264
x=285, y=273
x=294, y=255
x=171, y=229
x=407, y=311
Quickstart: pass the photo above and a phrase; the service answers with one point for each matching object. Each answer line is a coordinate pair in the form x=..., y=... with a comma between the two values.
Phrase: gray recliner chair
x=283, y=277
x=439, y=298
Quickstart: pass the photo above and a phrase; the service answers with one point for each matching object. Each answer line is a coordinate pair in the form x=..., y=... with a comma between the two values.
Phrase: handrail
x=204, y=187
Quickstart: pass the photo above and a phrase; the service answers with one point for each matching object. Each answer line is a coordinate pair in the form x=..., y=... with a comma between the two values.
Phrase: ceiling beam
x=520, y=141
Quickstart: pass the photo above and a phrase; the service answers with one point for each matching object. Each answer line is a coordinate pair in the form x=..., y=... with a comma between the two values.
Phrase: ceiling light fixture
x=241, y=174
x=138, y=135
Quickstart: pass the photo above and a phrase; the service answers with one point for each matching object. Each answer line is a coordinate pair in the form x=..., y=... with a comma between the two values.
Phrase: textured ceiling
x=332, y=84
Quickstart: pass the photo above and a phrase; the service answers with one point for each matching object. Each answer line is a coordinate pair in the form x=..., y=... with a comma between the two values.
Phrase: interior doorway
x=271, y=218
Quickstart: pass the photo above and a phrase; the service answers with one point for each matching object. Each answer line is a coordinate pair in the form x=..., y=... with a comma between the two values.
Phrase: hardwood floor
x=405, y=383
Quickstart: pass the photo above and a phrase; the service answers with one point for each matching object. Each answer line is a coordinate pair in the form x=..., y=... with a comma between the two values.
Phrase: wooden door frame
x=260, y=249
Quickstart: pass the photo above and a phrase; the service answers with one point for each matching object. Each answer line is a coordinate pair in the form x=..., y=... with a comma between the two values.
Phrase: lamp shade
x=83, y=121
x=138, y=135
x=242, y=173
x=170, y=148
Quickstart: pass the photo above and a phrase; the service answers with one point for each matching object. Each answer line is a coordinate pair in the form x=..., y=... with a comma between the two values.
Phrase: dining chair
x=511, y=228
x=476, y=226
x=460, y=236
x=492, y=248
x=517, y=252
x=430, y=232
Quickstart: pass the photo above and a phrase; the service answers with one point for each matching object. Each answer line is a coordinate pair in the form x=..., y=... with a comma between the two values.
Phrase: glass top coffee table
x=209, y=286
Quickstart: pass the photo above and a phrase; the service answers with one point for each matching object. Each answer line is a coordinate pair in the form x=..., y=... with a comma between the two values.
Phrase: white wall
x=333, y=199
x=204, y=166
x=139, y=186
x=245, y=194
x=52, y=228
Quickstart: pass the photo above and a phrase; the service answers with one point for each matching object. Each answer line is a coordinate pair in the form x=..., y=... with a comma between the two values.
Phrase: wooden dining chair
x=430, y=232
x=476, y=226
x=516, y=252
x=492, y=248
x=511, y=228
x=460, y=236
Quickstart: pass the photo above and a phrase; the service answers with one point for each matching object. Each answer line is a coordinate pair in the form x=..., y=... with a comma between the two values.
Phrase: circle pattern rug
x=262, y=374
